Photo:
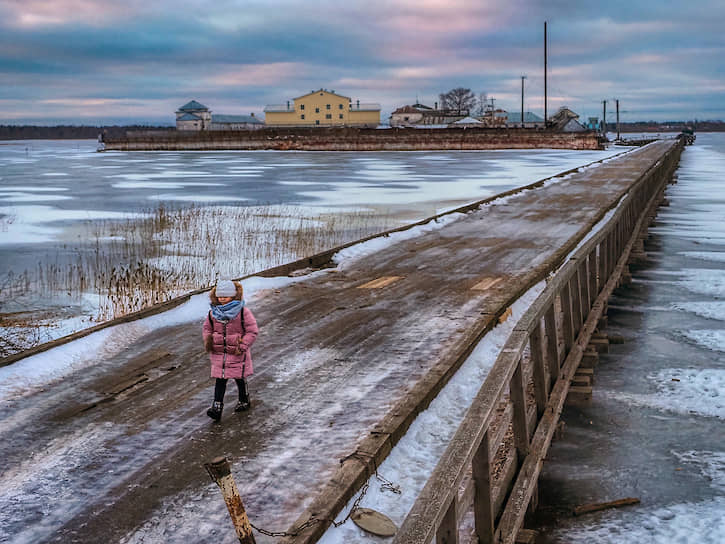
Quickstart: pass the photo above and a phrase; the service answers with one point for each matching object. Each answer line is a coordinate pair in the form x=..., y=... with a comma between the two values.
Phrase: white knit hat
x=226, y=288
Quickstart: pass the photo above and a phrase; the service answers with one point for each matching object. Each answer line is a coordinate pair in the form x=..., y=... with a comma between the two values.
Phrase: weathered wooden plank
x=592, y=268
x=447, y=532
x=483, y=500
x=587, y=508
x=584, y=283
x=576, y=306
x=518, y=400
x=566, y=317
x=553, y=357
x=602, y=253
x=541, y=388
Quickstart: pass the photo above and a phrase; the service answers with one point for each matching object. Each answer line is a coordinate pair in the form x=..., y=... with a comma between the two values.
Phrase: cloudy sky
x=85, y=61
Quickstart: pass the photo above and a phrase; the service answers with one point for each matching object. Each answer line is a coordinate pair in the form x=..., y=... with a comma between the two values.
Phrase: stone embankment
x=353, y=139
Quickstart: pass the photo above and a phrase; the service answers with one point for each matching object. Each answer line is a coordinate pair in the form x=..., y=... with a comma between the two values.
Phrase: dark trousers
x=221, y=387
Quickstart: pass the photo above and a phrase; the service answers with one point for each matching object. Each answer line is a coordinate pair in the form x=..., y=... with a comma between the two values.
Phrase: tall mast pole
x=546, y=119
x=604, y=118
x=522, y=101
x=617, y=118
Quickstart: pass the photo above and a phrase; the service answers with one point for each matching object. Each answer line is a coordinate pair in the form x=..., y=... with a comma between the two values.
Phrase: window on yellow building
x=339, y=106
x=328, y=106
x=341, y=116
x=328, y=116
x=317, y=122
x=302, y=106
x=317, y=110
x=302, y=116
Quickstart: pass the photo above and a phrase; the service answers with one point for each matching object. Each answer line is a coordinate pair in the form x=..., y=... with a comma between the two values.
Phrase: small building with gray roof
x=196, y=116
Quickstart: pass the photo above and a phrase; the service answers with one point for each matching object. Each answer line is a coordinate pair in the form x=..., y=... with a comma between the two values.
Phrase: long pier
x=531, y=379
x=347, y=358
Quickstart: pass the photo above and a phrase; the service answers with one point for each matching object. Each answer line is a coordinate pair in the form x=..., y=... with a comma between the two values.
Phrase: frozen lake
x=47, y=186
x=65, y=212
x=654, y=429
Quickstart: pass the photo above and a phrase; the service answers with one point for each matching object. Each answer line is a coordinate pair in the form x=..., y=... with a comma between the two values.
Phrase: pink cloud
x=38, y=13
x=86, y=108
x=248, y=75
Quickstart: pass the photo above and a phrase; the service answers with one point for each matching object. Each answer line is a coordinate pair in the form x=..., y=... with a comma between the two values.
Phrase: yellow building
x=322, y=108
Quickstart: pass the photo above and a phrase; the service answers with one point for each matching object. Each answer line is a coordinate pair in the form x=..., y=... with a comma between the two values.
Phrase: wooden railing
x=493, y=461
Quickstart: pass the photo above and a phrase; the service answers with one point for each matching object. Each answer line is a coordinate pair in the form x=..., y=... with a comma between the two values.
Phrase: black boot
x=244, y=403
x=215, y=412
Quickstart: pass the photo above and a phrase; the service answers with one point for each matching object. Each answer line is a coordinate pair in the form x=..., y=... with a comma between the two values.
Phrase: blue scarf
x=226, y=312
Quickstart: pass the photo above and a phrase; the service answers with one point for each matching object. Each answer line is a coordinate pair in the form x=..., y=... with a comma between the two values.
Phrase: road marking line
x=380, y=282
x=486, y=283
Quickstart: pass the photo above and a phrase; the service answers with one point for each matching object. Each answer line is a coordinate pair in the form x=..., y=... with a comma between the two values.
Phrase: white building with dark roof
x=196, y=116
x=193, y=116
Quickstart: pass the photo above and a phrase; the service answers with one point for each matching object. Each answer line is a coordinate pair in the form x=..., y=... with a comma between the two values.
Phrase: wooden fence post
x=565, y=296
x=576, y=301
x=483, y=501
x=541, y=388
x=592, y=277
x=447, y=532
x=221, y=473
x=584, y=282
x=553, y=357
x=520, y=425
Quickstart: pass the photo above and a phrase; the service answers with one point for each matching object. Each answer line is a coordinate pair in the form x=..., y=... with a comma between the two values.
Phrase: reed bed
x=127, y=265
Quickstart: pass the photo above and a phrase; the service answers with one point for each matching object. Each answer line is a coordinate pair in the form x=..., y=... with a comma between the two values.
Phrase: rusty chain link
x=386, y=485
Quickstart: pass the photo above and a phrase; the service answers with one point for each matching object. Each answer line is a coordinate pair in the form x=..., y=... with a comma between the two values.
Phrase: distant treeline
x=668, y=126
x=68, y=132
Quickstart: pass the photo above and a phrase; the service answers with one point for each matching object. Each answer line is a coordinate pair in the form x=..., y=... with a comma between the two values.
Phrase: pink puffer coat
x=229, y=344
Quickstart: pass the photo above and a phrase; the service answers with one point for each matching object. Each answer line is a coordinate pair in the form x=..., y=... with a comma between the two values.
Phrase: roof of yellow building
x=322, y=91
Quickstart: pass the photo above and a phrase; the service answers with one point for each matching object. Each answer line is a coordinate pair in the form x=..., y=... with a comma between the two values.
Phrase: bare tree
x=460, y=100
x=482, y=103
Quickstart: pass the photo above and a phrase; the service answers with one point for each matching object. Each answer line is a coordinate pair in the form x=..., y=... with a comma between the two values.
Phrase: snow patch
x=686, y=523
x=160, y=184
x=195, y=198
x=350, y=254
x=709, y=282
x=28, y=222
x=711, y=309
x=716, y=256
x=712, y=339
x=682, y=390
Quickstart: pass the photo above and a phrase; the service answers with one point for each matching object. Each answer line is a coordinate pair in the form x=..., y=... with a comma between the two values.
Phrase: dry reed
x=132, y=264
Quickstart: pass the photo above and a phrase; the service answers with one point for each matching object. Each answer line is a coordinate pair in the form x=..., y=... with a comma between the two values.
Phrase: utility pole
x=604, y=118
x=522, y=101
x=617, y=102
x=546, y=119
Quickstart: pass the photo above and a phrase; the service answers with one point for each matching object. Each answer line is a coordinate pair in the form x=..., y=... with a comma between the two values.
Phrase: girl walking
x=229, y=331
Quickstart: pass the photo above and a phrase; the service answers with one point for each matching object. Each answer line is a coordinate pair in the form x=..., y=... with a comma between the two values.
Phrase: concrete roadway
x=100, y=458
